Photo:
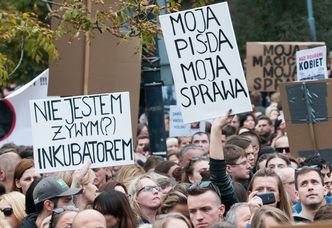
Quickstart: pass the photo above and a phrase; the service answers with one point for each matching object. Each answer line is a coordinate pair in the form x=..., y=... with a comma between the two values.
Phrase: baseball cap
x=52, y=187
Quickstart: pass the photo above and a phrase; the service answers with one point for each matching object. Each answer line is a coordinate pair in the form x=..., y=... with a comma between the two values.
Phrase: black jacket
x=29, y=221
x=219, y=177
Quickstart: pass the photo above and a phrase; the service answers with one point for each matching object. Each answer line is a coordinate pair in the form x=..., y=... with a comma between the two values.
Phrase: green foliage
x=124, y=19
x=24, y=30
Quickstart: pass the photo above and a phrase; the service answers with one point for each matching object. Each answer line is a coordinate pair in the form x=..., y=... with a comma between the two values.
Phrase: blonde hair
x=17, y=201
x=132, y=191
x=67, y=176
x=88, y=177
x=162, y=220
x=128, y=172
x=258, y=218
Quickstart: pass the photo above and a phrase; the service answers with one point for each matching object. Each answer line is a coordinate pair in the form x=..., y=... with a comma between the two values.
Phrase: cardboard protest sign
x=270, y=63
x=311, y=64
x=205, y=62
x=67, y=131
x=178, y=128
x=308, y=115
x=102, y=64
x=18, y=104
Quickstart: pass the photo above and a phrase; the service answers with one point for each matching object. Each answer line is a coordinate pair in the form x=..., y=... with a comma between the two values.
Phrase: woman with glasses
x=195, y=170
x=145, y=198
x=12, y=207
x=116, y=209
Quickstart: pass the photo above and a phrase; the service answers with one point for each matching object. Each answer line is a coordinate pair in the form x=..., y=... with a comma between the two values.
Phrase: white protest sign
x=311, y=64
x=18, y=101
x=205, y=62
x=67, y=131
x=178, y=128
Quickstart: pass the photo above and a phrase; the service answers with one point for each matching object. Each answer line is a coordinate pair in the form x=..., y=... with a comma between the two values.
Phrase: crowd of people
x=239, y=173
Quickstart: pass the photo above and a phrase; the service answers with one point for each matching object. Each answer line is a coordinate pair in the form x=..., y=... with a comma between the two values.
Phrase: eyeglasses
x=8, y=211
x=282, y=149
x=245, y=162
x=204, y=185
x=149, y=189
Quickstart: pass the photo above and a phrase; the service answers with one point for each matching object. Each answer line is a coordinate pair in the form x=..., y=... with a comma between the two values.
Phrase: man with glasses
x=204, y=204
x=311, y=192
x=238, y=167
x=50, y=193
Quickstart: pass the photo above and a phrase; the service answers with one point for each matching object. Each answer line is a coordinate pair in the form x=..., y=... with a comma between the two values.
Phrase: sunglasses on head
x=7, y=211
x=204, y=185
x=282, y=149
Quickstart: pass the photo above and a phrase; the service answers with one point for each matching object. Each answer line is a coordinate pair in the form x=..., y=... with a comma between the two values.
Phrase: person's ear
x=49, y=205
x=17, y=183
x=228, y=168
x=326, y=191
x=2, y=175
x=191, y=179
x=297, y=194
x=221, y=209
x=83, y=187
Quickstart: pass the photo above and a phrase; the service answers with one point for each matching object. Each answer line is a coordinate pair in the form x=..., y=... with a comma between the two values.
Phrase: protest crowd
x=239, y=172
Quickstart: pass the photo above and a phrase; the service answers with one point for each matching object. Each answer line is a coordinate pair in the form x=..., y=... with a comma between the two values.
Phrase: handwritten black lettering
x=73, y=154
x=58, y=131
